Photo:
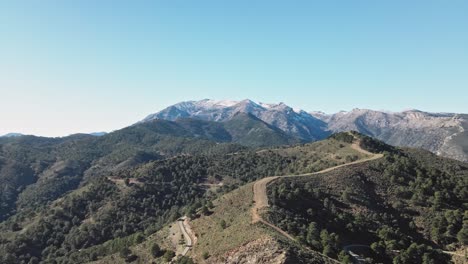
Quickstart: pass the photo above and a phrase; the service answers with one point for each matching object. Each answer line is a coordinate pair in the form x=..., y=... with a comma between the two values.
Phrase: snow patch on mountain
x=297, y=123
x=436, y=132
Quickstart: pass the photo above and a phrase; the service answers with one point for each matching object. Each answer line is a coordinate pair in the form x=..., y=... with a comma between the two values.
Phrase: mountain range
x=123, y=196
x=295, y=123
x=442, y=133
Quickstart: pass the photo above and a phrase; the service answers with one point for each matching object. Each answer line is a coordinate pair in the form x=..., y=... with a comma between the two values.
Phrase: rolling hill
x=409, y=204
x=67, y=205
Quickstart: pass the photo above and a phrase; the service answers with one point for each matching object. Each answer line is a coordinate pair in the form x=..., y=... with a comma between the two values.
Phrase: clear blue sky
x=81, y=66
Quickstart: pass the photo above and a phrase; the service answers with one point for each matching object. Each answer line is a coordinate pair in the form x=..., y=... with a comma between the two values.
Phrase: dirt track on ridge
x=260, y=187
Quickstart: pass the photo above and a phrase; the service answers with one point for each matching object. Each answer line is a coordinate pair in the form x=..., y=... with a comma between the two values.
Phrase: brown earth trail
x=260, y=187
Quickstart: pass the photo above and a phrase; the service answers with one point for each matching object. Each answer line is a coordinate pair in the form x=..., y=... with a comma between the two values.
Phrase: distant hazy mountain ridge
x=441, y=133
x=12, y=135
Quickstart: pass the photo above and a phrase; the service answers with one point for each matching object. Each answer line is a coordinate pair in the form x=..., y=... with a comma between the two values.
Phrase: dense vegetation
x=77, y=199
x=58, y=165
x=406, y=208
x=106, y=211
x=110, y=206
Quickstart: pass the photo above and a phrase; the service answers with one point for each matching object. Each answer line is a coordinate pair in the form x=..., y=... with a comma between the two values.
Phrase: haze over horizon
x=88, y=66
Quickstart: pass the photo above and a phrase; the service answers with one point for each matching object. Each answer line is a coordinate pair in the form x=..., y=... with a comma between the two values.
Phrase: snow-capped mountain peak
x=437, y=132
x=216, y=103
x=297, y=123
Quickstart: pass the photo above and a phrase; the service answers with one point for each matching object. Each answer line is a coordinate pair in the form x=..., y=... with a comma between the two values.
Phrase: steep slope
x=119, y=207
x=37, y=170
x=237, y=242
x=54, y=166
x=441, y=133
x=242, y=128
x=248, y=130
x=294, y=123
x=260, y=187
x=240, y=240
x=404, y=208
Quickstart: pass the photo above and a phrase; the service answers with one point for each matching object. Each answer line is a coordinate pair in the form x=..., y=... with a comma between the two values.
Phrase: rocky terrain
x=296, y=123
x=441, y=133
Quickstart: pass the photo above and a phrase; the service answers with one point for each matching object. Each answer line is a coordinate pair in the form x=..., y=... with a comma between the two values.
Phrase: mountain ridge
x=442, y=133
x=13, y=134
x=297, y=123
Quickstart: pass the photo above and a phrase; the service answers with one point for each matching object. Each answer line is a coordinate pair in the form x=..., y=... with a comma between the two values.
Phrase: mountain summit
x=442, y=133
x=295, y=123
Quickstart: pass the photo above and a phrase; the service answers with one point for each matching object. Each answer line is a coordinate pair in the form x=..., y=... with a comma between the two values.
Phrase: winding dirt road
x=260, y=187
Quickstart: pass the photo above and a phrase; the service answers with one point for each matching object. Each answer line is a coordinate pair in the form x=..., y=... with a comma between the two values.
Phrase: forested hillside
x=405, y=208
x=35, y=170
x=84, y=198
x=118, y=203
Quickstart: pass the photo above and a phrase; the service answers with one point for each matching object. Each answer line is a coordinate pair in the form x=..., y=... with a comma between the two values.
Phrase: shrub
x=169, y=255
x=155, y=250
x=223, y=224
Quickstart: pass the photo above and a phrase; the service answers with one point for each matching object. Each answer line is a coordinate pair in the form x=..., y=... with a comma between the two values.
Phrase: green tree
x=437, y=202
x=437, y=233
x=378, y=248
x=185, y=260
x=155, y=250
x=169, y=255
x=462, y=235
x=15, y=227
x=210, y=204
x=343, y=257
x=192, y=211
x=33, y=260
x=223, y=224
x=139, y=238
x=205, y=210
x=327, y=250
x=324, y=237
x=427, y=259
x=346, y=195
x=125, y=252
x=312, y=233
x=334, y=240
